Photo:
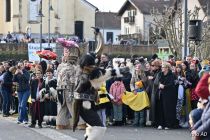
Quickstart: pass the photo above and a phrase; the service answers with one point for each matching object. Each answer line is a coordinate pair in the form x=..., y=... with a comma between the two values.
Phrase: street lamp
x=40, y=15
x=50, y=8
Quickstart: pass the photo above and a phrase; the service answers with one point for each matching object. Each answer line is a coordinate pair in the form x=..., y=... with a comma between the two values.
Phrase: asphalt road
x=9, y=130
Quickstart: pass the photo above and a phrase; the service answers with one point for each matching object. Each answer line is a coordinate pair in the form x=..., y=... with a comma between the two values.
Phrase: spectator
x=117, y=89
x=156, y=69
x=138, y=75
x=50, y=102
x=37, y=108
x=7, y=90
x=201, y=129
x=167, y=98
x=21, y=78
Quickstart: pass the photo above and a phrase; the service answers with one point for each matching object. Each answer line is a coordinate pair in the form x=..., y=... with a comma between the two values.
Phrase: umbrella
x=47, y=54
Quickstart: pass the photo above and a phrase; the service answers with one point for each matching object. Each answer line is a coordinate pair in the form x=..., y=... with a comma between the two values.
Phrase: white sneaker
x=166, y=128
x=160, y=127
x=25, y=122
x=148, y=123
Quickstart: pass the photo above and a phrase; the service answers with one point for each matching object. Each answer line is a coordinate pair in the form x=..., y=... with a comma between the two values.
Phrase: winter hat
x=178, y=63
x=154, y=56
x=202, y=87
x=87, y=60
x=139, y=84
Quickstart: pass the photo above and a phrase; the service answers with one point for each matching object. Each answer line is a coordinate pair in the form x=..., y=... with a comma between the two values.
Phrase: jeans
x=139, y=118
x=117, y=112
x=22, y=108
x=6, y=94
x=102, y=115
x=1, y=101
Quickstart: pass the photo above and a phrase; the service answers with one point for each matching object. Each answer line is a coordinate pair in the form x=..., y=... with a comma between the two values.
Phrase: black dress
x=50, y=105
x=166, y=101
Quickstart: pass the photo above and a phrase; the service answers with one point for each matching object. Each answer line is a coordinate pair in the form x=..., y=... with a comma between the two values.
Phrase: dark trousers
x=14, y=104
x=128, y=113
x=1, y=102
x=37, y=112
x=160, y=120
x=91, y=117
x=6, y=94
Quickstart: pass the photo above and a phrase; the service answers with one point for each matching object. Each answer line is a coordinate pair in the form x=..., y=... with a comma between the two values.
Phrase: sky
x=108, y=5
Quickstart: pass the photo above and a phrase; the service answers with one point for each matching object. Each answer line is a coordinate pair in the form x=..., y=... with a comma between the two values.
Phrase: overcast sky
x=108, y=5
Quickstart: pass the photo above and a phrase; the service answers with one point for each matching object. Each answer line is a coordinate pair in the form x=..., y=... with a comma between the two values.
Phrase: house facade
x=109, y=23
x=136, y=18
x=66, y=17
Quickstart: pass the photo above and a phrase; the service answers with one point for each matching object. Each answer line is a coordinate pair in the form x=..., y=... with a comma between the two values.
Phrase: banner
x=33, y=11
x=33, y=47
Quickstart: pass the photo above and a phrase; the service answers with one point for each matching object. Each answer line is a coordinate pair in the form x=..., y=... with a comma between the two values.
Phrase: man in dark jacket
x=21, y=78
x=7, y=91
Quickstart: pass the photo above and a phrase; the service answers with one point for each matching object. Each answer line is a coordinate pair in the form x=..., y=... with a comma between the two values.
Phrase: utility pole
x=185, y=27
x=40, y=14
x=49, y=10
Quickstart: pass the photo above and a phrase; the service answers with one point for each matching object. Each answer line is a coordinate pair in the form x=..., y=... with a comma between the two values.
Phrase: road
x=9, y=130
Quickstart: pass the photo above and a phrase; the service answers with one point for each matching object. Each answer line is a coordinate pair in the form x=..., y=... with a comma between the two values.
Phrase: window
x=8, y=10
x=127, y=30
x=138, y=30
x=109, y=37
x=129, y=13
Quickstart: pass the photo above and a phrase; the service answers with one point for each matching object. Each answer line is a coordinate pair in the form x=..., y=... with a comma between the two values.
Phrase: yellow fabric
x=29, y=100
x=187, y=108
x=137, y=102
x=103, y=100
x=101, y=91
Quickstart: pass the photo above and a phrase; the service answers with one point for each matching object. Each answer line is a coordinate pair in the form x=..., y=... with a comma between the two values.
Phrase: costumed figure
x=66, y=77
x=103, y=102
x=85, y=95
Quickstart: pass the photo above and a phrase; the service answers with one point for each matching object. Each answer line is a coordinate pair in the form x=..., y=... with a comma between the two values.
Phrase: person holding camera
x=21, y=79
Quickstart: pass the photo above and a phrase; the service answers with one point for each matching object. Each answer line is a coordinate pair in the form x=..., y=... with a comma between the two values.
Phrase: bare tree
x=171, y=23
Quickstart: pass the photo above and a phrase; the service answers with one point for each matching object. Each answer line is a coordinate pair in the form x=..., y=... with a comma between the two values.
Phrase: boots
x=61, y=127
x=94, y=133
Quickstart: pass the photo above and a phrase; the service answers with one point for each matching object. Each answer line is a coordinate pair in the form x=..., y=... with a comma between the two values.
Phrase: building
x=109, y=23
x=68, y=17
x=136, y=18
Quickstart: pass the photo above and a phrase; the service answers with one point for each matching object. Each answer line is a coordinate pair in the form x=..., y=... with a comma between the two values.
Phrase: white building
x=136, y=18
x=109, y=23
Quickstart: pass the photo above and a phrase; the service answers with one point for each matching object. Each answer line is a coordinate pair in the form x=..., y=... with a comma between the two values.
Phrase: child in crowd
x=37, y=107
x=103, y=103
x=137, y=100
x=117, y=89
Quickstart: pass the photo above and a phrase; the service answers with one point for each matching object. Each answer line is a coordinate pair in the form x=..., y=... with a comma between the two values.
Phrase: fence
x=20, y=51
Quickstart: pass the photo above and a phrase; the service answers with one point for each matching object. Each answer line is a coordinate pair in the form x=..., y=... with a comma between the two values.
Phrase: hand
x=46, y=96
x=17, y=71
x=183, y=78
x=14, y=94
x=150, y=77
x=161, y=86
x=32, y=100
